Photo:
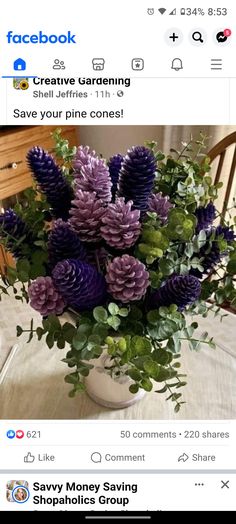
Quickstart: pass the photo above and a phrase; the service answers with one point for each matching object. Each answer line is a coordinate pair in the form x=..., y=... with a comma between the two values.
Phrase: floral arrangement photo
x=132, y=250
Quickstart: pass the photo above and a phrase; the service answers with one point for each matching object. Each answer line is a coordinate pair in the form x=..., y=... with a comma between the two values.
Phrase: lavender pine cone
x=160, y=205
x=82, y=158
x=181, y=290
x=13, y=229
x=127, y=279
x=114, y=166
x=64, y=243
x=205, y=216
x=51, y=181
x=95, y=177
x=45, y=298
x=80, y=284
x=86, y=216
x=120, y=225
x=137, y=176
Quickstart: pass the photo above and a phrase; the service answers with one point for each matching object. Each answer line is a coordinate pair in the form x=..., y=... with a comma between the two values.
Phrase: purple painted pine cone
x=127, y=279
x=64, y=243
x=210, y=252
x=45, y=298
x=137, y=176
x=12, y=228
x=181, y=290
x=95, y=177
x=80, y=284
x=82, y=158
x=51, y=181
x=120, y=225
x=160, y=205
x=114, y=165
x=86, y=216
x=205, y=216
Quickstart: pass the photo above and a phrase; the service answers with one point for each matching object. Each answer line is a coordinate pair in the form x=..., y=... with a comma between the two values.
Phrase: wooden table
x=33, y=385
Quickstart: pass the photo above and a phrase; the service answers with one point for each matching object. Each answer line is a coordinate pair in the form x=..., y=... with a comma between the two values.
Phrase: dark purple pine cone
x=120, y=225
x=95, y=177
x=127, y=279
x=181, y=290
x=86, y=216
x=80, y=284
x=51, y=182
x=211, y=254
x=137, y=176
x=205, y=216
x=12, y=228
x=114, y=165
x=64, y=243
x=227, y=233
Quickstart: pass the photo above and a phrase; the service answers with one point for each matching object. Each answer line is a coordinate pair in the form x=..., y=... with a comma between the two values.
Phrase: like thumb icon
x=29, y=458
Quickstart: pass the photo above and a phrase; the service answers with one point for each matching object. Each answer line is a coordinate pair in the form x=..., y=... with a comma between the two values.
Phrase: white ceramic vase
x=108, y=391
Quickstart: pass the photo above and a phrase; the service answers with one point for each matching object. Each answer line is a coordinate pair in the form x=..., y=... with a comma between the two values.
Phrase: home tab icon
x=19, y=65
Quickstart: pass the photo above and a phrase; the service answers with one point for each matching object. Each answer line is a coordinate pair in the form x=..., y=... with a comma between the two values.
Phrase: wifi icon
x=162, y=10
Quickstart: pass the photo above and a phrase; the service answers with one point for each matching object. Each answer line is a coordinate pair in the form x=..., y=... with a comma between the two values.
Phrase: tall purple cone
x=95, y=177
x=137, y=176
x=64, y=243
x=82, y=158
x=13, y=229
x=181, y=290
x=51, y=181
x=86, y=216
x=80, y=284
x=205, y=216
x=114, y=165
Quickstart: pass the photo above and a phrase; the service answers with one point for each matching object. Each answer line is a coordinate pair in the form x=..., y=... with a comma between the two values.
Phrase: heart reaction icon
x=19, y=433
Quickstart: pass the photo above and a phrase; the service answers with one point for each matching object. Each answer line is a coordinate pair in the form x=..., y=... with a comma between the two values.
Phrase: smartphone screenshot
x=118, y=257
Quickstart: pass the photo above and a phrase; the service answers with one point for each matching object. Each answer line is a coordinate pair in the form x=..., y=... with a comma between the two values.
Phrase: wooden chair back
x=223, y=160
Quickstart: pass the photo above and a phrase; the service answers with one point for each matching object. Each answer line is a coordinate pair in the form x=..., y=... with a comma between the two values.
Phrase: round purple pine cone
x=45, y=298
x=120, y=225
x=160, y=205
x=51, y=181
x=82, y=158
x=114, y=165
x=205, y=216
x=181, y=290
x=127, y=278
x=80, y=284
x=12, y=228
x=64, y=243
x=95, y=177
x=86, y=216
x=137, y=176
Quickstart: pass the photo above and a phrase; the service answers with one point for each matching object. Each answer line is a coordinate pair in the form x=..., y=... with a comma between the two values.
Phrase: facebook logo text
x=41, y=38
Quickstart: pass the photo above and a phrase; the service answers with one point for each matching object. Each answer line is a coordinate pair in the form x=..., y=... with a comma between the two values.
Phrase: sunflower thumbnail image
x=21, y=83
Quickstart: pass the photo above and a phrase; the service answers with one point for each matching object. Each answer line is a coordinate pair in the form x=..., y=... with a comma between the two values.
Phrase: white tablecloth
x=33, y=387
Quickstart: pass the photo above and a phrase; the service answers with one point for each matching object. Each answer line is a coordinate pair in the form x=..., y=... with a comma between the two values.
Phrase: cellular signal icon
x=173, y=12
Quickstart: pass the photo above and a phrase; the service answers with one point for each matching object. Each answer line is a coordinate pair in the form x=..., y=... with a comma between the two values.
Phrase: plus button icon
x=174, y=37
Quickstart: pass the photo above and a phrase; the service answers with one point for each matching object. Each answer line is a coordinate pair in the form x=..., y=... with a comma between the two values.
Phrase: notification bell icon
x=177, y=64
